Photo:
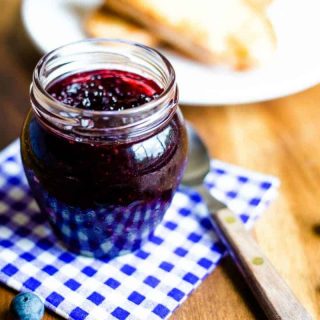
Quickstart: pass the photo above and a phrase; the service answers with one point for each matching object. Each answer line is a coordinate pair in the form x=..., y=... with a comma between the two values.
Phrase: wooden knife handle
x=271, y=291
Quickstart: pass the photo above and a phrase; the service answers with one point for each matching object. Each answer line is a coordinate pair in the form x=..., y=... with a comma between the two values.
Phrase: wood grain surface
x=279, y=137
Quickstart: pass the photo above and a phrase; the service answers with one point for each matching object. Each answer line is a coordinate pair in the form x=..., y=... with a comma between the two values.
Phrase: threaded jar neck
x=107, y=126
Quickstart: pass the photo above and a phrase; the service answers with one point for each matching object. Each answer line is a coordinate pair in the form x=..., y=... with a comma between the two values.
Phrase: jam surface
x=104, y=199
x=104, y=90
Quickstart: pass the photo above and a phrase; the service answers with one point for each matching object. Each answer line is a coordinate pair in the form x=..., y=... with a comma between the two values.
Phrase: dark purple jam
x=104, y=199
x=105, y=90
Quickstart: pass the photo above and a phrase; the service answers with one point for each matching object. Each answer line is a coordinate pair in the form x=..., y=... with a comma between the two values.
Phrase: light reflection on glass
x=152, y=148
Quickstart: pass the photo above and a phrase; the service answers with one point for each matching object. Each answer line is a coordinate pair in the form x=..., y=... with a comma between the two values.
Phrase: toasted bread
x=103, y=23
x=260, y=4
x=232, y=32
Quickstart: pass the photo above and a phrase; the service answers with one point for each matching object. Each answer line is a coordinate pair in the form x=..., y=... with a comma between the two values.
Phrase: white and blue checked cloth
x=148, y=284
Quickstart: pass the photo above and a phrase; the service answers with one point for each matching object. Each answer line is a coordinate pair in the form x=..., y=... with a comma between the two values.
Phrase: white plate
x=295, y=66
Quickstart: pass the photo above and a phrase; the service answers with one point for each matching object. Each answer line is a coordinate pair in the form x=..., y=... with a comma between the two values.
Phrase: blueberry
x=27, y=306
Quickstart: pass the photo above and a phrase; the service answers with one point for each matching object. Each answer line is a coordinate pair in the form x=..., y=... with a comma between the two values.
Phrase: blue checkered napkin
x=149, y=284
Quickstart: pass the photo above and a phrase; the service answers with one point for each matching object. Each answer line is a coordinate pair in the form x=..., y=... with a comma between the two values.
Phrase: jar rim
x=60, y=106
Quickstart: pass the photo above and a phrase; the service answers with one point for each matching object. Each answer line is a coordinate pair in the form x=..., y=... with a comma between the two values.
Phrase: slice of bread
x=232, y=32
x=260, y=4
x=103, y=23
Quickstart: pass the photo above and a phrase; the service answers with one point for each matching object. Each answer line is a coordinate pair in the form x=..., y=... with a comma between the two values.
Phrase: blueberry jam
x=104, y=198
x=105, y=90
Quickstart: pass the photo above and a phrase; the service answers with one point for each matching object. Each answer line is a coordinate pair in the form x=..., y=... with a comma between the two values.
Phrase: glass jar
x=104, y=179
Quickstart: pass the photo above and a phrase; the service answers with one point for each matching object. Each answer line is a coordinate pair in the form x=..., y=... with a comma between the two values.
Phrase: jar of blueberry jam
x=104, y=145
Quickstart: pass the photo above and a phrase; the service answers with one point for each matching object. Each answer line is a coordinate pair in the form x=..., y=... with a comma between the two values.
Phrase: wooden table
x=279, y=137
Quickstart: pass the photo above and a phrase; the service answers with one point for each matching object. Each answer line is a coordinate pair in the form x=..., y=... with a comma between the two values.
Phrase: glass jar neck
x=107, y=126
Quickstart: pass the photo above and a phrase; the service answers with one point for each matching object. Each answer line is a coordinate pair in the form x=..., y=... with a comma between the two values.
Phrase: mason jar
x=104, y=178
